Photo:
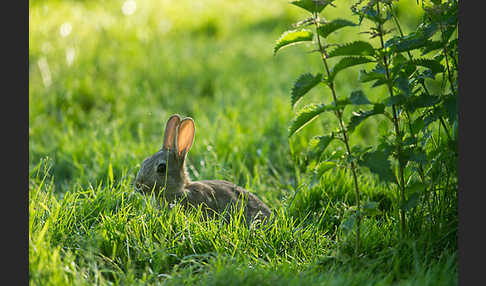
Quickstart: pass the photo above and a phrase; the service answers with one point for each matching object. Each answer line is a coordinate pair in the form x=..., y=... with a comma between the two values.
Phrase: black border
x=471, y=204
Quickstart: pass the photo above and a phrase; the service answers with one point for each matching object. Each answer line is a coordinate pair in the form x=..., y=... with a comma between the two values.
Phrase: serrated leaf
x=406, y=43
x=357, y=48
x=403, y=84
x=377, y=73
x=379, y=82
x=358, y=150
x=416, y=40
x=323, y=167
x=398, y=99
x=312, y=5
x=365, y=76
x=360, y=116
x=432, y=46
x=413, y=154
x=292, y=37
x=428, y=30
x=433, y=65
x=345, y=63
x=421, y=101
x=358, y=98
x=400, y=70
x=370, y=13
x=303, y=84
x=332, y=26
x=378, y=163
x=450, y=104
x=306, y=115
x=319, y=143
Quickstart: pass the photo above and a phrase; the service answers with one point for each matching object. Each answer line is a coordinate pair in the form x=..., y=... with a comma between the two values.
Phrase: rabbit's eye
x=161, y=169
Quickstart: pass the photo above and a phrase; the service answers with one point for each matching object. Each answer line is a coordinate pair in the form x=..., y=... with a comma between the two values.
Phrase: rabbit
x=166, y=168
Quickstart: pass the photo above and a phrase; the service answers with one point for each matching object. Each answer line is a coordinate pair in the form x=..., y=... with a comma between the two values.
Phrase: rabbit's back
x=221, y=195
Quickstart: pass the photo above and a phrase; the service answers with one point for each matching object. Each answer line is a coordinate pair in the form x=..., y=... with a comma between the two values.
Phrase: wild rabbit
x=166, y=168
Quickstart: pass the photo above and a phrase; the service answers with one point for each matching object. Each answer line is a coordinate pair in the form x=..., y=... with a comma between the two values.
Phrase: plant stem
x=398, y=134
x=449, y=75
x=339, y=115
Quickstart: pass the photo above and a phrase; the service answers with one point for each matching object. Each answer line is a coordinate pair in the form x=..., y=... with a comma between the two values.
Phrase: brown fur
x=215, y=196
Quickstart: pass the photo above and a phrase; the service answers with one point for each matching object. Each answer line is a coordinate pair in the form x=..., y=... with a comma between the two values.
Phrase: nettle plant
x=413, y=157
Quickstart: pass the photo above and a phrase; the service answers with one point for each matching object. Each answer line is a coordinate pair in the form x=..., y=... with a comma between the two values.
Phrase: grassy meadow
x=104, y=76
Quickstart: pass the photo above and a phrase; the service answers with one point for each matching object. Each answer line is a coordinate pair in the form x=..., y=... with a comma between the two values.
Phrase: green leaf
x=312, y=5
x=345, y=63
x=332, y=26
x=428, y=30
x=292, y=37
x=306, y=115
x=409, y=140
x=417, y=125
x=432, y=46
x=413, y=154
x=421, y=101
x=360, y=116
x=433, y=65
x=407, y=43
x=303, y=84
x=450, y=104
x=378, y=163
x=448, y=32
x=370, y=13
x=433, y=116
x=416, y=187
x=357, y=48
x=411, y=202
x=323, y=167
x=379, y=82
x=370, y=76
x=403, y=84
x=378, y=73
x=370, y=208
x=398, y=99
x=319, y=144
x=358, y=98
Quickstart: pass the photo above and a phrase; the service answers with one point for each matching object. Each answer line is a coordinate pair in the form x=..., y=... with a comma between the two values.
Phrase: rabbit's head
x=166, y=167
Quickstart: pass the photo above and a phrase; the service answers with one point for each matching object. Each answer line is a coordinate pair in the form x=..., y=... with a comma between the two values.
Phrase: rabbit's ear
x=185, y=136
x=170, y=131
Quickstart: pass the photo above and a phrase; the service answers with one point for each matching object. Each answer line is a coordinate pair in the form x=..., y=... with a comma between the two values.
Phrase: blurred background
x=104, y=76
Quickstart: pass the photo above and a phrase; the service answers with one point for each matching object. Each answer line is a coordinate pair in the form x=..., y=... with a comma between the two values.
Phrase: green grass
x=111, y=84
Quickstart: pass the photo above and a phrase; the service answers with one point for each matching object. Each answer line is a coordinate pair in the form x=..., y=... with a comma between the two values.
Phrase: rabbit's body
x=166, y=168
x=223, y=195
